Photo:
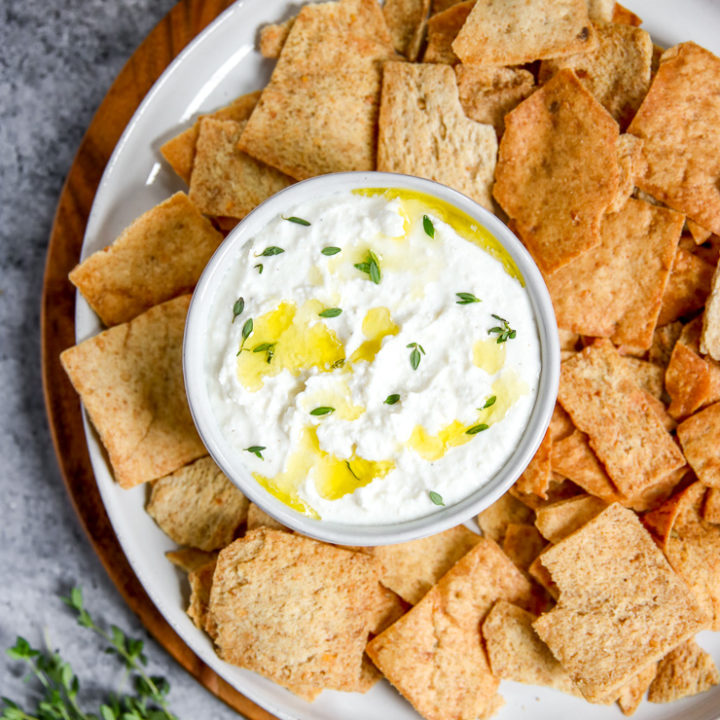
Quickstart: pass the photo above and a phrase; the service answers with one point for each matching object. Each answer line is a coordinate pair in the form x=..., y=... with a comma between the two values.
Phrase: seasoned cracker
x=226, y=181
x=516, y=652
x=622, y=428
x=522, y=544
x=442, y=29
x=412, y=568
x=494, y=520
x=513, y=32
x=607, y=571
x=617, y=71
x=679, y=120
x=560, y=519
x=156, y=258
x=687, y=288
x=198, y=506
x=433, y=655
x=256, y=517
x=632, y=694
x=699, y=436
x=131, y=383
x=424, y=132
x=319, y=112
x=406, y=20
x=488, y=94
x=536, y=476
x=615, y=290
x=557, y=170
x=266, y=582
x=180, y=150
x=687, y=670
x=273, y=37
x=710, y=337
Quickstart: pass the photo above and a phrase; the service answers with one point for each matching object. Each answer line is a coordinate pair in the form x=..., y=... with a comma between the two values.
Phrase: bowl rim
x=193, y=354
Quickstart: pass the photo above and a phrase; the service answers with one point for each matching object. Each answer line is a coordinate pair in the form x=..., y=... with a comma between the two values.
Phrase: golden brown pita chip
x=513, y=32
x=269, y=579
x=617, y=71
x=180, y=150
x=488, y=94
x=438, y=6
x=623, y=429
x=632, y=694
x=539, y=573
x=558, y=170
x=561, y=425
x=559, y=488
x=536, y=476
x=198, y=506
x=131, y=383
x=623, y=16
x=442, y=29
x=631, y=163
x=273, y=37
x=159, y=256
x=516, y=652
x=687, y=670
x=200, y=580
x=226, y=181
x=256, y=517
x=699, y=234
x=621, y=606
x=711, y=508
x=710, y=337
x=433, y=654
x=664, y=339
x=699, y=436
x=424, y=132
x=406, y=20
x=522, y=544
x=494, y=520
x=615, y=289
x=687, y=288
x=189, y=559
x=410, y=569
x=560, y=519
x=680, y=140
x=649, y=376
x=600, y=11
x=319, y=112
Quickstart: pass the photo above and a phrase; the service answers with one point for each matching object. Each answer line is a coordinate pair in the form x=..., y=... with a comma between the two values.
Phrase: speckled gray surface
x=57, y=60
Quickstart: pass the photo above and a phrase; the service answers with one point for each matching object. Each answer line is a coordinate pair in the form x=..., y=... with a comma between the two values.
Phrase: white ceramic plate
x=220, y=64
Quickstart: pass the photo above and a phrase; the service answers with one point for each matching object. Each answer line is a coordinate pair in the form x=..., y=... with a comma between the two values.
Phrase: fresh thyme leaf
x=322, y=410
x=259, y=268
x=475, y=429
x=415, y=359
x=391, y=399
x=371, y=266
x=272, y=250
x=436, y=498
x=238, y=307
x=428, y=226
x=246, y=331
x=330, y=250
x=256, y=450
x=505, y=332
x=352, y=472
x=262, y=347
x=467, y=298
x=297, y=220
x=489, y=402
x=338, y=363
x=330, y=312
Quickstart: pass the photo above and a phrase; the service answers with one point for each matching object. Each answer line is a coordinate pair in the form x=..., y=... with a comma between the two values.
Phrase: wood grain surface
x=148, y=62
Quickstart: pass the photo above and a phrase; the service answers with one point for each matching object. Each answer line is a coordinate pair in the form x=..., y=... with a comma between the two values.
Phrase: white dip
x=369, y=460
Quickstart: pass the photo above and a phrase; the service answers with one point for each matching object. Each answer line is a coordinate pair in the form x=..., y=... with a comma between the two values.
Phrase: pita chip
x=200, y=579
x=607, y=570
x=189, y=559
x=631, y=164
x=664, y=339
x=424, y=132
x=198, y=506
x=513, y=32
x=699, y=436
x=256, y=517
x=272, y=39
x=558, y=170
x=522, y=544
x=680, y=140
x=536, y=476
x=495, y=520
x=623, y=16
x=617, y=71
x=616, y=289
x=159, y=256
x=710, y=337
x=433, y=654
x=406, y=21
x=600, y=11
x=632, y=694
x=711, y=508
x=131, y=383
x=687, y=670
x=555, y=522
x=687, y=287
x=442, y=29
x=319, y=112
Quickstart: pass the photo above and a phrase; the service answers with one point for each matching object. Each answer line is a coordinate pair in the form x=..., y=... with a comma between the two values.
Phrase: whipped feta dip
x=372, y=356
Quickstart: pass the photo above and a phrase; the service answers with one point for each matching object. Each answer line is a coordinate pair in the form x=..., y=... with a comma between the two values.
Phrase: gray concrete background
x=57, y=60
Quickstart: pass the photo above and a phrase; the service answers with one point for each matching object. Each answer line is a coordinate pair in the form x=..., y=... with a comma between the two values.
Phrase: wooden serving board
x=148, y=62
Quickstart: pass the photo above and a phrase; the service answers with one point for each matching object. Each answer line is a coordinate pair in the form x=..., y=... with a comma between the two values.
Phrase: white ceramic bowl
x=194, y=359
